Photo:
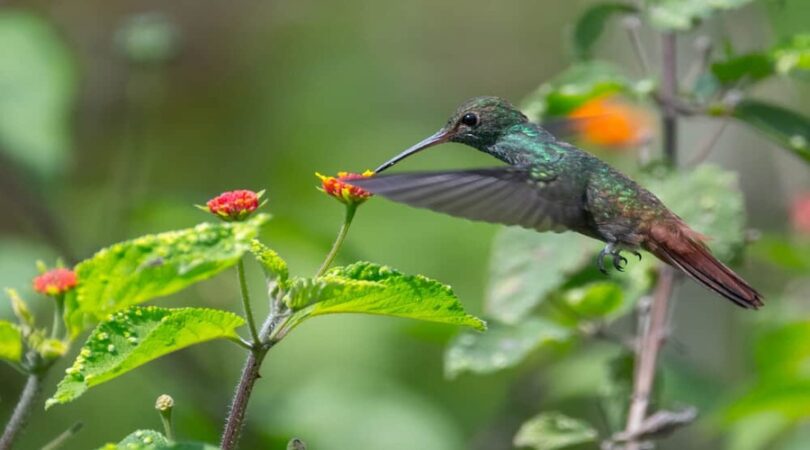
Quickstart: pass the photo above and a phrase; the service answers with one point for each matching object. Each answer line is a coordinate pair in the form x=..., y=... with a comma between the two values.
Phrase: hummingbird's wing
x=505, y=195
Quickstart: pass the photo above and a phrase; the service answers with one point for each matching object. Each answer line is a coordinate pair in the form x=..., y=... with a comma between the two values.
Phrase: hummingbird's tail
x=675, y=243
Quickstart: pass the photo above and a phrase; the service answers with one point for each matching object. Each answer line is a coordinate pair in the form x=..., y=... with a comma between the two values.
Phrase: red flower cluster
x=800, y=213
x=344, y=192
x=234, y=205
x=55, y=282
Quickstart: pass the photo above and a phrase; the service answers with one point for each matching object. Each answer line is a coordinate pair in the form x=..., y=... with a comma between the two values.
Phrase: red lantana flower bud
x=344, y=192
x=800, y=213
x=55, y=282
x=234, y=205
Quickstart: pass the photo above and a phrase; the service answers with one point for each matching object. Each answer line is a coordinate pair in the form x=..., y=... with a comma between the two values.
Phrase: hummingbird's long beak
x=437, y=138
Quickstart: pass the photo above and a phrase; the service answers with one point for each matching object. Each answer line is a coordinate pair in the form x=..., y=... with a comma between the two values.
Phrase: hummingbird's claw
x=600, y=260
x=619, y=261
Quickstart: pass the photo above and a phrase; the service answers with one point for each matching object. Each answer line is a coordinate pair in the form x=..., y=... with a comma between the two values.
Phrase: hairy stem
x=19, y=417
x=245, y=294
x=250, y=373
x=60, y=440
x=344, y=230
x=653, y=331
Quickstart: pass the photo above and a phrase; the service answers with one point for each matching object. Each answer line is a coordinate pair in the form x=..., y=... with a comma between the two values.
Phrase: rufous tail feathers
x=673, y=242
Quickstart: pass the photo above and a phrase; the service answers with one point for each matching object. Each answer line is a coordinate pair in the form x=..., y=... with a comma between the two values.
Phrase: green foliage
x=131, y=338
x=552, y=430
x=10, y=341
x=681, y=15
x=501, y=346
x=274, y=266
x=372, y=289
x=153, y=440
x=574, y=86
x=793, y=57
x=522, y=273
x=750, y=67
x=708, y=198
x=592, y=23
x=38, y=79
x=151, y=266
x=786, y=128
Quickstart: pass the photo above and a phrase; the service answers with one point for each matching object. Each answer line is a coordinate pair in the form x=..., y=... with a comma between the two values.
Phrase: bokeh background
x=260, y=95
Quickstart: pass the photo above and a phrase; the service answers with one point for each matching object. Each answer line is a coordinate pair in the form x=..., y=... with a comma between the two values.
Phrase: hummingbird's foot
x=619, y=261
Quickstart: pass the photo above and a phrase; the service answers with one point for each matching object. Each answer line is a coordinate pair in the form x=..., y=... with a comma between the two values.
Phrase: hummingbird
x=550, y=185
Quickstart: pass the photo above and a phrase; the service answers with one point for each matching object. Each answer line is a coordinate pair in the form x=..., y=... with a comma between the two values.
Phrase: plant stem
x=250, y=373
x=652, y=328
x=240, y=270
x=58, y=312
x=344, y=230
x=18, y=419
x=669, y=91
x=60, y=440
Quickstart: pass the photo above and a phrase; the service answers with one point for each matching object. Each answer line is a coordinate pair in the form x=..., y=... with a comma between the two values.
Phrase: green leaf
x=789, y=399
x=10, y=341
x=592, y=23
x=594, y=300
x=573, y=87
x=501, y=346
x=550, y=431
x=151, y=266
x=131, y=338
x=521, y=272
x=783, y=353
x=709, y=200
x=793, y=57
x=372, y=289
x=153, y=440
x=681, y=15
x=274, y=266
x=749, y=67
x=38, y=81
x=783, y=126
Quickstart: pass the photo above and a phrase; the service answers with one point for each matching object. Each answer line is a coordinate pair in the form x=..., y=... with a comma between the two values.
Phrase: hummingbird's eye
x=470, y=119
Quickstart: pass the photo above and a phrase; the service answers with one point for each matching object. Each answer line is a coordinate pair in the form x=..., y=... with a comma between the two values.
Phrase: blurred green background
x=260, y=95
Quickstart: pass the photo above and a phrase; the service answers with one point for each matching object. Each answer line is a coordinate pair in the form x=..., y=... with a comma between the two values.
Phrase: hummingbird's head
x=478, y=122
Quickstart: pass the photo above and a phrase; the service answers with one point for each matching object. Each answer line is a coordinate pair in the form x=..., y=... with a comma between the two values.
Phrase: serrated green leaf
x=552, y=430
x=131, y=338
x=573, y=87
x=591, y=24
x=274, y=265
x=132, y=272
x=526, y=266
x=10, y=341
x=786, y=128
x=154, y=440
x=38, y=78
x=372, y=289
x=709, y=200
x=681, y=15
x=502, y=346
